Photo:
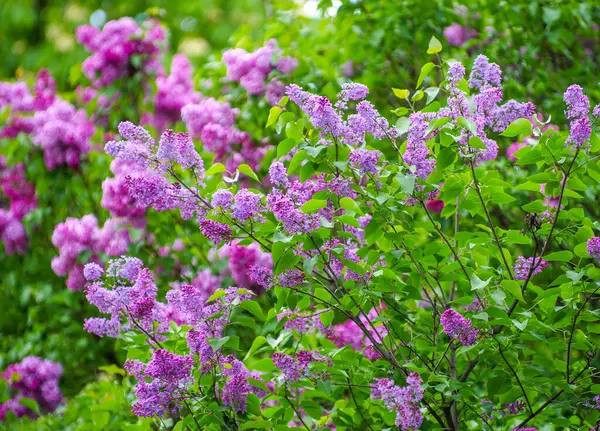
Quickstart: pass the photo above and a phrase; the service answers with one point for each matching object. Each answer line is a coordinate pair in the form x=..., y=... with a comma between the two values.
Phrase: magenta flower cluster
x=457, y=35
x=457, y=326
x=19, y=197
x=578, y=109
x=173, y=92
x=33, y=378
x=169, y=377
x=593, y=247
x=252, y=70
x=524, y=267
x=296, y=367
x=75, y=236
x=121, y=49
x=404, y=401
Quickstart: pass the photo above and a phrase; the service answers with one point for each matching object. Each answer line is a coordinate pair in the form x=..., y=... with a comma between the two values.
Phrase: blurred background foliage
x=543, y=46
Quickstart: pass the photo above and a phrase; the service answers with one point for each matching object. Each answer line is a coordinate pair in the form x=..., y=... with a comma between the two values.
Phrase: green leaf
x=477, y=283
x=400, y=112
x=407, y=182
x=274, y=114
x=217, y=343
x=514, y=288
x=245, y=169
x=215, y=169
x=112, y=369
x=425, y=70
x=313, y=205
x=401, y=94
x=431, y=93
x=254, y=308
x=520, y=126
x=351, y=205
x=435, y=46
x=476, y=142
x=559, y=256
x=285, y=147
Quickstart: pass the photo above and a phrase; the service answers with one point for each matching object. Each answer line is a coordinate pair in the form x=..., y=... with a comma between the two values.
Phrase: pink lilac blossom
x=75, y=236
x=34, y=378
x=115, y=193
x=350, y=333
x=21, y=199
x=278, y=175
x=251, y=70
x=512, y=149
x=170, y=375
x=404, y=401
x=458, y=35
x=303, y=323
x=63, y=133
x=121, y=49
x=593, y=247
x=296, y=367
x=215, y=231
x=240, y=261
x=365, y=161
x=578, y=107
x=173, y=93
x=457, y=326
x=524, y=266
x=236, y=385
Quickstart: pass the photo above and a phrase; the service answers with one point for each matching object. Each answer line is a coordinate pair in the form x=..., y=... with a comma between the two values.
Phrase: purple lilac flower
x=169, y=375
x=484, y=73
x=596, y=111
x=222, y=198
x=364, y=160
x=34, y=378
x=278, y=175
x=578, y=105
x=593, y=247
x=92, y=271
x=116, y=44
x=236, y=385
x=246, y=205
x=242, y=259
x=296, y=367
x=457, y=326
x=215, y=231
x=458, y=35
x=173, y=93
x=523, y=267
x=405, y=401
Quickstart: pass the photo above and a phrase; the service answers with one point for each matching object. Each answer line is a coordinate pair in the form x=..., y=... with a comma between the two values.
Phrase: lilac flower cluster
x=404, y=401
x=457, y=35
x=524, y=266
x=578, y=108
x=351, y=334
x=334, y=122
x=213, y=122
x=63, y=133
x=457, y=326
x=151, y=189
x=303, y=322
x=296, y=367
x=33, y=378
x=251, y=70
x=20, y=197
x=56, y=126
x=241, y=260
x=130, y=302
x=121, y=49
x=75, y=236
x=365, y=161
x=236, y=386
x=593, y=247
x=173, y=92
x=170, y=376
x=485, y=77
x=116, y=197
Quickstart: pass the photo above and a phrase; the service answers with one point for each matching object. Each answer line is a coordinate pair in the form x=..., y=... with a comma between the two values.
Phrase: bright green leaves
x=425, y=70
x=435, y=46
x=518, y=127
x=401, y=94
